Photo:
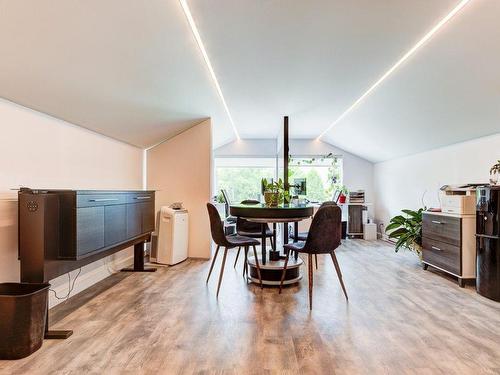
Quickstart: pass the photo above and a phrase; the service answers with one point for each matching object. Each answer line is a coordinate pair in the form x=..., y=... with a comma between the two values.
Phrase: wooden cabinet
x=89, y=229
x=448, y=243
x=115, y=224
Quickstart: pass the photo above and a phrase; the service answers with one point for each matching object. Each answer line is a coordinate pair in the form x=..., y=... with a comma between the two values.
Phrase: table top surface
x=263, y=206
x=283, y=211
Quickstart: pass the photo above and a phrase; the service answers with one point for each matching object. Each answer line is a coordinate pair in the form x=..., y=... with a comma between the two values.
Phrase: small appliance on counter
x=488, y=242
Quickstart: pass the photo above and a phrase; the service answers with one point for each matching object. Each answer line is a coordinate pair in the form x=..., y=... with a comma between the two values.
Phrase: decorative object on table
x=343, y=191
x=275, y=193
x=407, y=231
x=495, y=173
x=176, y=206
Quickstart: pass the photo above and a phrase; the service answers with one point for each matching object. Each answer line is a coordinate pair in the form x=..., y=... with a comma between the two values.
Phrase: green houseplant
x=407, y=230
x=495, y=173
x=275, y=193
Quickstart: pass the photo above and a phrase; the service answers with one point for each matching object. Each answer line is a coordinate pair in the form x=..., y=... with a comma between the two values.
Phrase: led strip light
x=196, y=34
x=405, y=57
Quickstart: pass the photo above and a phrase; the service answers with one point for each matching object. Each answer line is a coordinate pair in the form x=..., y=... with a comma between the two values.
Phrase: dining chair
x=323, y=238
x=228, y=242
x=227, y=202
x=302, y=236
x=253, y=230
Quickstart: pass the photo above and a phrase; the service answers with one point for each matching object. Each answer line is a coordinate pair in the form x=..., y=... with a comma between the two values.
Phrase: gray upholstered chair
x=228, y=242
x=302, y=236
x=323, y=238
x=253, y=230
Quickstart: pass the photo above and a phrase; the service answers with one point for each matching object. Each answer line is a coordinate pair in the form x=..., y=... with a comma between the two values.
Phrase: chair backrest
x=227, y=201
x=327, y=203
x=216, y=226
x=243, y=225
x=325, y=231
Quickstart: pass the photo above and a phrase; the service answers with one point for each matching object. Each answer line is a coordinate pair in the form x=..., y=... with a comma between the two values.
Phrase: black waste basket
x=23, y=308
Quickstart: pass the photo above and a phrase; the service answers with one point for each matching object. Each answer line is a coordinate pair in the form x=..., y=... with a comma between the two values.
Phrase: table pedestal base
x=272, y=270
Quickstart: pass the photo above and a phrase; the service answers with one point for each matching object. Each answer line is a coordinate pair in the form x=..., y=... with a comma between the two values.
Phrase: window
x=241, y=177
x=323, y=175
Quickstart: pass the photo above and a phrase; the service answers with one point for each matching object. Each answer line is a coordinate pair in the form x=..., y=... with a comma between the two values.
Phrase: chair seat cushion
x=238, y=240
x=302, y=236
x=296, y=246
x=256, y=233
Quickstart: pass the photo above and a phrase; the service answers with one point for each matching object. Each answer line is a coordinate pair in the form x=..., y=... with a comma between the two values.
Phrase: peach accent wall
x=180, y=170
x=37, y=150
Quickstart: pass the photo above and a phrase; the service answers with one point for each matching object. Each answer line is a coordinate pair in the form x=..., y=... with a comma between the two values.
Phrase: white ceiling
x=448, y=93
x=132, y=69
x=128, y=69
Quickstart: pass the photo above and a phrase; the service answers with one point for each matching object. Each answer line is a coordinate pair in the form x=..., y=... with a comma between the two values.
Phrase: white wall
x=37, y=150
x=180, y=170
x=248, y=148
x=401, y=183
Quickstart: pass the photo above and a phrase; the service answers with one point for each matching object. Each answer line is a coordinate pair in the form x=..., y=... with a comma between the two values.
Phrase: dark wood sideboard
x=63, y=230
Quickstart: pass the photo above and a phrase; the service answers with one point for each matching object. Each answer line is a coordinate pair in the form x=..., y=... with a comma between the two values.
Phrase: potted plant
x=407, y=231
x=495, y=173
x=220, y=204
x=343, y=194
x=275, y=193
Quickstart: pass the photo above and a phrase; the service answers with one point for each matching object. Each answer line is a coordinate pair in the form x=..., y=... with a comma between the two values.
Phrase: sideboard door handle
x=435, y=248
x=103, y=199
x=436, y=222
x=142, y=197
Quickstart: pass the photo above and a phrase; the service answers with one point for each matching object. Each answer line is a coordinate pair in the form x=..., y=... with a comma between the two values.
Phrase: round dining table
x=271, y=267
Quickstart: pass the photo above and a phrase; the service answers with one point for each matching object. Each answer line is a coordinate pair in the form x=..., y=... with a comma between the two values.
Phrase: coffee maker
x=488, y=241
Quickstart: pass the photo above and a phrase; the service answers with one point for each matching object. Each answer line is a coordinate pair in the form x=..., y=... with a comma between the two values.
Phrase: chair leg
x=284, y=269
x=316, y=260
x=272, y=243
x=237, y=255
x=245, y=264
x=310, y=274
x=257, y=264
x=339, y=274
x=222, y=270
x=213, y=262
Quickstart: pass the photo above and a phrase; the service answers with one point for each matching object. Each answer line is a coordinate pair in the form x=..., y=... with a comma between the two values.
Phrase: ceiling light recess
x=414, y=49
x=197, y=36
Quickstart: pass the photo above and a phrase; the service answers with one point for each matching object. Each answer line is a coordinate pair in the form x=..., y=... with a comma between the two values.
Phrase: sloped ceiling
x=133, y=71
x=124, y=68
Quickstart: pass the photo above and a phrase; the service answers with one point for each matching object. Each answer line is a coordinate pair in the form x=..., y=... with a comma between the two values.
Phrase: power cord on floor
x=71, y=286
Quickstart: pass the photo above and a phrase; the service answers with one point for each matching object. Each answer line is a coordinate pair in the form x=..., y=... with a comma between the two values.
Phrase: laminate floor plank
x=399, y=319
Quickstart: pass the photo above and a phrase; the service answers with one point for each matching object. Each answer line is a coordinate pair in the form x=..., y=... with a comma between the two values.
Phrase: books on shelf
x=357, y=196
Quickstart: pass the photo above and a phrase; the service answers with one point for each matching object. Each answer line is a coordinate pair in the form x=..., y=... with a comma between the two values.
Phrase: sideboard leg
x=139, y=260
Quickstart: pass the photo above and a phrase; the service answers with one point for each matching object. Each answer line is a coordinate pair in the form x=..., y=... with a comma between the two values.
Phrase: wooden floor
x=399, y=320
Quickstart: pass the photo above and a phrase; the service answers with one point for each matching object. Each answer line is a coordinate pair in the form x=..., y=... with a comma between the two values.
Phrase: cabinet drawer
x=442, y=228
x=141, y=197
x=93, y=200
x=442, y=255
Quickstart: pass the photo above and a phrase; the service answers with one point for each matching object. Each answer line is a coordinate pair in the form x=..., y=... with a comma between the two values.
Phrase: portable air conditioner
x=172, y=243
